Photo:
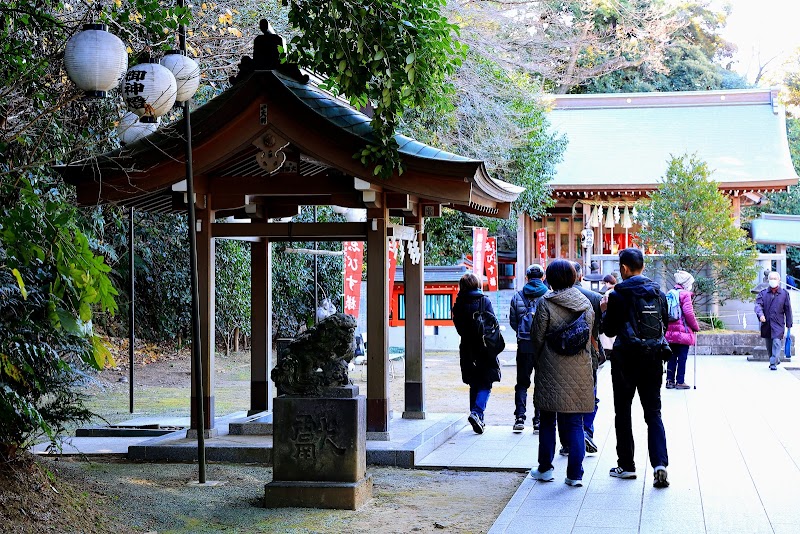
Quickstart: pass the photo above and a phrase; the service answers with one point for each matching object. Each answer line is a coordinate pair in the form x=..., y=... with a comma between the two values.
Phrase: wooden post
x=736, y=209
x=524, y=247
x=377, y=323
x=206, y=284
x=261, y=326
x=414, y=289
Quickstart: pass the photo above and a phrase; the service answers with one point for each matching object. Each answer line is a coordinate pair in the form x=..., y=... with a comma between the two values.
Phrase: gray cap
x=534, y=271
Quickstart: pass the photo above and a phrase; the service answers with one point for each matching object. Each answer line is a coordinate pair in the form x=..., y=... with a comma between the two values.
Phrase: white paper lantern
x=186, y=72
x=150, y=89
x=130, y=129
x=95, y=60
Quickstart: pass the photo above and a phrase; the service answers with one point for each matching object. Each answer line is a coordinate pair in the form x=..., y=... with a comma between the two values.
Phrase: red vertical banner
x=392, y=257
x=541, y=245
x=353, y=260
x=479, y=236
x=491, y=262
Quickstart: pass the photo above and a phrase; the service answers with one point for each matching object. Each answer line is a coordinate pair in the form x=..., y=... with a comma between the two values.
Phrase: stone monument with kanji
x=319, y=443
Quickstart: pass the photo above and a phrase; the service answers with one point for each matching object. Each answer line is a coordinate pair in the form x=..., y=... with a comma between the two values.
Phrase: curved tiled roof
x=345, y=117
x=626, y=140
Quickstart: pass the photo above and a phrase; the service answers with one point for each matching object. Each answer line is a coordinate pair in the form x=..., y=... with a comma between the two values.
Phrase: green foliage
x=494, y=115
x=232, y=290
x=689, y=221
x=293, y=279
x=50, y=282
x=394, y=55
x=690, y=61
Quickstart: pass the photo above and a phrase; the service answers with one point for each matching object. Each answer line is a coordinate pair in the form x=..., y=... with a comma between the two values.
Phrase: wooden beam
x=398, y=201
x=282, y=184
x=294, y=231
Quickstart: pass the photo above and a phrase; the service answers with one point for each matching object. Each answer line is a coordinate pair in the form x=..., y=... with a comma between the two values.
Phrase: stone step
x=760, y=355
x=255, y=425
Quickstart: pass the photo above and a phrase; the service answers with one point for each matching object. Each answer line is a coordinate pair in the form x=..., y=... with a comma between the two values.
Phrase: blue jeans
x=477, y=400
x=774, y=349
x=588, y=418
x=677, y=364
x=570, y=427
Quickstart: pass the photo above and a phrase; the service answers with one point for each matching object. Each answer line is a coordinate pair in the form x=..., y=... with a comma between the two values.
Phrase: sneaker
x=670, y=384
x=536, y=427
x=682, y=386
x=564, y=450
x=773, y=367
x=660, y=477
x=591, y=446
x=619, y=472
x=519, y=424
x=477, y=424
x=574, y=483
x=546, y=476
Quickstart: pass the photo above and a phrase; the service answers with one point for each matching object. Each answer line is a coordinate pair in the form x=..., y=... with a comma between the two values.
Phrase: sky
x=762, y=29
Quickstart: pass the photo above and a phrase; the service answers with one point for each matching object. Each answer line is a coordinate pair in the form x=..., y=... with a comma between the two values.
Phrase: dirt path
x=162, y=385
x=155, y=497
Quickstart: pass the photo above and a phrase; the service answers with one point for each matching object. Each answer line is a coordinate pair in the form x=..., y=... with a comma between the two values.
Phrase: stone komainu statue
x=317, y=358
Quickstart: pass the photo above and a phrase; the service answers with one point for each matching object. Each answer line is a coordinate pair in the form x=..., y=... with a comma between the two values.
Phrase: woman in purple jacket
x=681, y=333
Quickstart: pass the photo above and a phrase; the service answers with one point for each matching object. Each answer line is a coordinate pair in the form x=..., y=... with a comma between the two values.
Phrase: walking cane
x=695, y=366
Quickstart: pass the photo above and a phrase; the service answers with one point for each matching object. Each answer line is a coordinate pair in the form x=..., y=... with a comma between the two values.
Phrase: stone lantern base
x=319, y=451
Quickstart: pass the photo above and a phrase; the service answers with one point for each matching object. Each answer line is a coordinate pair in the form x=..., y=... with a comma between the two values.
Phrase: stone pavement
x=734, y=448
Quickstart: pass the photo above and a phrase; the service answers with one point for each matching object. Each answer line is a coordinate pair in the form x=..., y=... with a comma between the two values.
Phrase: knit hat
x=683, y=278
x=534, y=271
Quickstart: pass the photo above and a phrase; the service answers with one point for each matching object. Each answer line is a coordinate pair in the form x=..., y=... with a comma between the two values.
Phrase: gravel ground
x=155, y=497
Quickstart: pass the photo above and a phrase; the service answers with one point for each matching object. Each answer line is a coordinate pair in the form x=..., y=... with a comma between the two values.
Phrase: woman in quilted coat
x=563, y=385
x=479, y=369
x=681, y=333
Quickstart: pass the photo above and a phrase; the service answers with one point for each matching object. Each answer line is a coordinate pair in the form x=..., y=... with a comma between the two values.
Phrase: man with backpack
x=636, y=312
x=520, y=316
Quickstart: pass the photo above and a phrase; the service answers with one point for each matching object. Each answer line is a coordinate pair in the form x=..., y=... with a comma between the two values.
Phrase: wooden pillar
x=261, y=326
x=524, y=246
x=736, y=209
x=205, y=282
x=414, y=288
x=377, y=321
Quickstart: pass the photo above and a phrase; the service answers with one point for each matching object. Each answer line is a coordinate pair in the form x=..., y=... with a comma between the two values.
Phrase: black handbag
x=489, y=330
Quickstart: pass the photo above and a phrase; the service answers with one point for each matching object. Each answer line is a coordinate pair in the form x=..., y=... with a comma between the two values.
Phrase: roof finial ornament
x=267, y=56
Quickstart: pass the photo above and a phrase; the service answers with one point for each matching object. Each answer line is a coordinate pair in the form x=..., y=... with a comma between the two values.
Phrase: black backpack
x=489, y=330
x=645, y=328
x=526, y=321
x=569, y=340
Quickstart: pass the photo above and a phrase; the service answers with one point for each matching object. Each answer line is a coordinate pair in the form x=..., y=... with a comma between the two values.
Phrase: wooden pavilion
x=269, y=144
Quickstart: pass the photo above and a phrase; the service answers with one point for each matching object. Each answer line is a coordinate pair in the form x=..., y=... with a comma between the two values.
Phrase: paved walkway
x=734, y=448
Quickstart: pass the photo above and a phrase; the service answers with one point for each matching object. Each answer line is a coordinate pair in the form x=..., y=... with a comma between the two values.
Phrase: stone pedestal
x=319, y=451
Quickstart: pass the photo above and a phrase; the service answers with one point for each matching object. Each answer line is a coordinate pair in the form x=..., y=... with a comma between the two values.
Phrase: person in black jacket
x=479, y=369
x=522, y=300
x=631, y=370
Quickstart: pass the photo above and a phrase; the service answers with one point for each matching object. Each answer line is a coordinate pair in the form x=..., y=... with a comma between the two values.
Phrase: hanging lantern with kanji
x=95, y=60
x=186, y=72
x=130, y=129
x=150, y=90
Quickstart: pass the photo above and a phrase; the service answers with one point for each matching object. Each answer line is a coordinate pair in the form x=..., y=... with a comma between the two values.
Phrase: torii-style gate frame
x=269, y=144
